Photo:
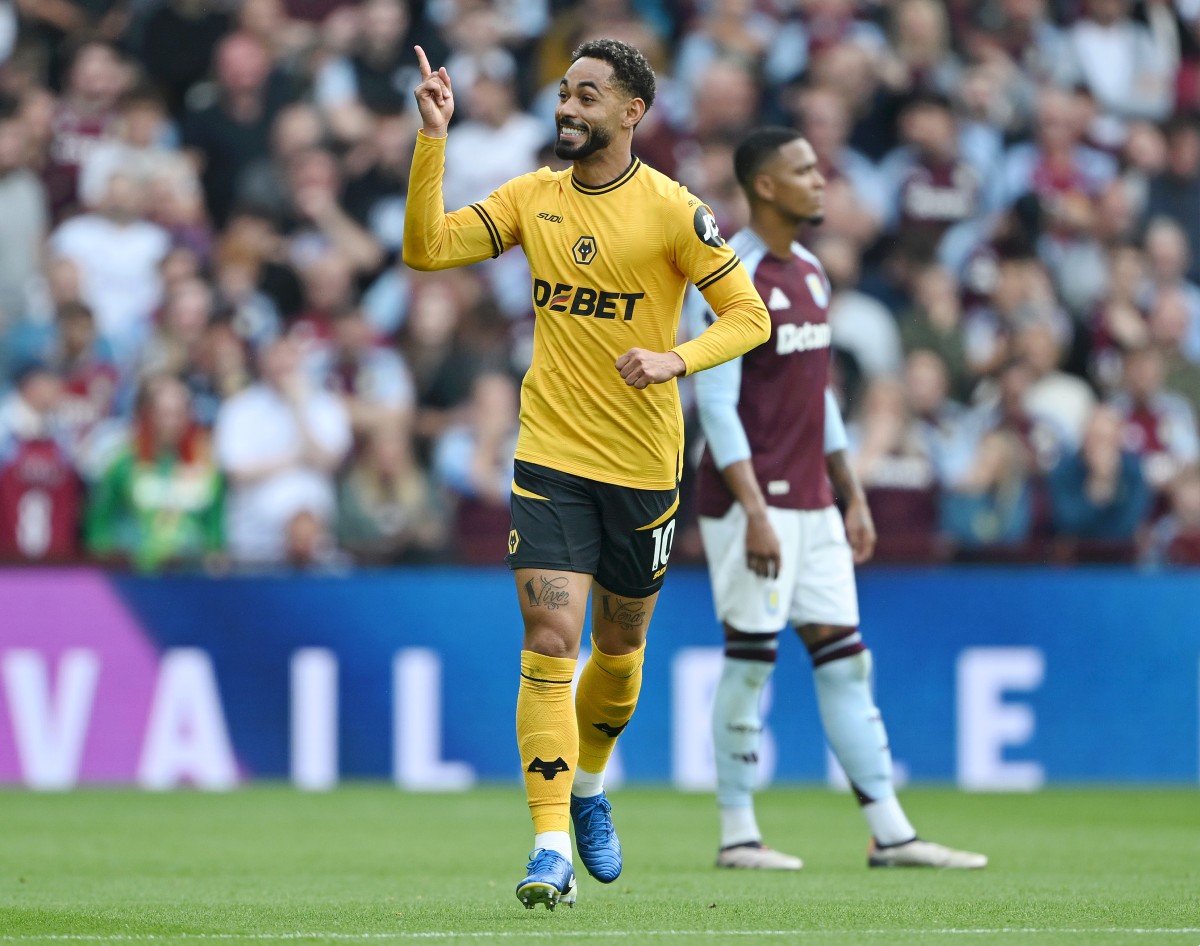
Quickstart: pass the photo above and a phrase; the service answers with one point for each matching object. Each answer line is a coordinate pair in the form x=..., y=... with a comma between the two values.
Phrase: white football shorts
x=815, y=584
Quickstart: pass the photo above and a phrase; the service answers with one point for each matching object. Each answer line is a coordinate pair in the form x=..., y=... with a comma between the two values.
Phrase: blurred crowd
x=212, y=355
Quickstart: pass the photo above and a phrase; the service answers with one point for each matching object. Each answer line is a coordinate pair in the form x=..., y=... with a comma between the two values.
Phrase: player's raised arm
x=434, y=239
x=435, y=97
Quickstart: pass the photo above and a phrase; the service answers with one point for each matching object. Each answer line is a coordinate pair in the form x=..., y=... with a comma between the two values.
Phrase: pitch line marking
x=557, y=934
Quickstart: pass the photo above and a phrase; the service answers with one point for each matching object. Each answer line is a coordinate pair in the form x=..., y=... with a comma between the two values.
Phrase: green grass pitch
x=368, y=864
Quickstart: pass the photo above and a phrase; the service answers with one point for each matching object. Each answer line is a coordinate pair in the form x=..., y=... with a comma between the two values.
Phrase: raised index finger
x=423, y=63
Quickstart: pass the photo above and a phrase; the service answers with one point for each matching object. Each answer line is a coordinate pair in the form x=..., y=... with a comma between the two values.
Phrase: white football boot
x=918, y=853
x=757, y=856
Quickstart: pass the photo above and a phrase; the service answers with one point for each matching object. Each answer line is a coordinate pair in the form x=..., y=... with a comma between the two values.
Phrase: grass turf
x=369, y=864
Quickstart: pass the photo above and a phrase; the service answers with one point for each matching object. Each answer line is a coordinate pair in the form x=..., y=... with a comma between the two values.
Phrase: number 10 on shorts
x=664, y=537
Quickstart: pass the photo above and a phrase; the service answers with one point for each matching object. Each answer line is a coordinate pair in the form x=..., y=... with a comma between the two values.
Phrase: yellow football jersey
x=610, y=266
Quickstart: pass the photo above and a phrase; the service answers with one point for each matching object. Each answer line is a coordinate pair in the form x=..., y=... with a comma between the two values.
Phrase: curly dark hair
x=630, y=69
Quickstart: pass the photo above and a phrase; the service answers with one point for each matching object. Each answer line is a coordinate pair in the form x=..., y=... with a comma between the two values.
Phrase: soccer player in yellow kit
x=612, y=245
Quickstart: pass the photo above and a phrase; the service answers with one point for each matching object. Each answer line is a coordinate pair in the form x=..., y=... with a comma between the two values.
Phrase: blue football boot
x=550, y=880
x=595, y=838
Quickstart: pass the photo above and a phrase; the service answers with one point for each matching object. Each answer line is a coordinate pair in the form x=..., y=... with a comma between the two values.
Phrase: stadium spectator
x=221, y=370
x=118, y=253
x=257, y=239
x=1168, y=330
x=173, y=349
x=263, y=184
x=935, y=324
x=991, y=507
x=1159, y=425
x=918, y=58
x=175, y=41
x=158, y=506
x=1056, y=165
x=1098, y=494
x=1175, y=192
x=1019, y=40
x=329, y=289
x=851, y=68
x=1022, y=295
x=861, y=324
x=949, y=431
x=279, y=442
x=641, y=23
x=1128, y=69
x=224, y=136
x=436, y=342
x=724, y=103
x=55, y=285
x=1175, y=538
x=1006, y=408
x=373, y=74
x=376, y=179
x=81, y=118
x=473, y=462
x=1167, y=261
x=319, y=224
x=896, y=467
x=370, y=378
x=1117, y=324
x=1065, y=399
x=389, y=512
x=83, y=361
x=23, y=219
x=291, y=41
x=724, y=29
x=237, y=272
x=41, y=497
x=133, y=144
x=931, y=187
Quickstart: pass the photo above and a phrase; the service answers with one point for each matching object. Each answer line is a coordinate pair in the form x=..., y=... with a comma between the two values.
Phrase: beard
x=596, y=139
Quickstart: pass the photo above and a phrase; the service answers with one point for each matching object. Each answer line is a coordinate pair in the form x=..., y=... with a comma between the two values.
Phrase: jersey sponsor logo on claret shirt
x=799, y=338
x=585, y=301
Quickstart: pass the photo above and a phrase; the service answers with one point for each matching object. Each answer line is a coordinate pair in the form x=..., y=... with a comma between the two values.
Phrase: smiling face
x=592, y=110
x=791, y=184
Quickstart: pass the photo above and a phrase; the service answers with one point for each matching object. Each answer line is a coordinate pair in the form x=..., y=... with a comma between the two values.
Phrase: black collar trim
x=625, y=177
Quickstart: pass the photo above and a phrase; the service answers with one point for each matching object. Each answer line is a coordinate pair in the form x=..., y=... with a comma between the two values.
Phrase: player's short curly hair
x=630, y=69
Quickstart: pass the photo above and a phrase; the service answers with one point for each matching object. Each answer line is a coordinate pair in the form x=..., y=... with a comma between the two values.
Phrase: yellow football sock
x=547, y=737
x=604, y=702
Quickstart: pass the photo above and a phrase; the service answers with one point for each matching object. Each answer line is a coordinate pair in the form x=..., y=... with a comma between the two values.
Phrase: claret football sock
x=548, y=739
x=604, y=703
